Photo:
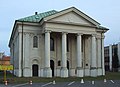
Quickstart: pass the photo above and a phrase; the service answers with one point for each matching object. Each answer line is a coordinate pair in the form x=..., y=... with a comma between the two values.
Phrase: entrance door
x=35, y=70
x=52, y=66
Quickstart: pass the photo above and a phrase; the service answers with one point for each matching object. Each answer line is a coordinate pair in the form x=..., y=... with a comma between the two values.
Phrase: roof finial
x=36, y=13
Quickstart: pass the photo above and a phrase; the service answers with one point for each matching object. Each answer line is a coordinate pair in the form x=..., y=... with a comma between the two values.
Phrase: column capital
x=79, y=34
x=47, y=31
x=98, y=37
x=103, y=37
x=64, y=32
x=94, y=35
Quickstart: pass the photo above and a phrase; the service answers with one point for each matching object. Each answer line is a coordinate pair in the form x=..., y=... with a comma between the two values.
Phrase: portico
x=95, y=66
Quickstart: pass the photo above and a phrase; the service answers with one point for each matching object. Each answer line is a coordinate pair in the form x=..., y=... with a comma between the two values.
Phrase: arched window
x=51, y=44
x=59, y=63
x=35, y=42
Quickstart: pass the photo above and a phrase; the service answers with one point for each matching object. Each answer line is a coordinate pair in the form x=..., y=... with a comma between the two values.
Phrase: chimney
x=36, y=13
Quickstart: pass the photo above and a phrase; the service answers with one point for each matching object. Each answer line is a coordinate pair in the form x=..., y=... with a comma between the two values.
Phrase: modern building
x=58, y=43
x=110, y=52
x=5, y=60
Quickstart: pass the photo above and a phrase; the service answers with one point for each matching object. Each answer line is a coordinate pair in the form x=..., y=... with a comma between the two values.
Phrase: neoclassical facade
x=58, y=43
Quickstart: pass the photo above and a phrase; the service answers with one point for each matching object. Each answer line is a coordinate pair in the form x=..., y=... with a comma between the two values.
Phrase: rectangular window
x=35, y=42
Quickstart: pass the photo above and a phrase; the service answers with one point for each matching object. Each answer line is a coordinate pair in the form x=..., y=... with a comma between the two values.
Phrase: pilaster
x=99, y=56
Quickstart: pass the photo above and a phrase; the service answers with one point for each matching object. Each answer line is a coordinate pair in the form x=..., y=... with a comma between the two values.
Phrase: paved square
x=108, y=83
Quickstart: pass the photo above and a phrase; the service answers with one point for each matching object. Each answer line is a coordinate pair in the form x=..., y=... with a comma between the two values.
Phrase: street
x=108, y=83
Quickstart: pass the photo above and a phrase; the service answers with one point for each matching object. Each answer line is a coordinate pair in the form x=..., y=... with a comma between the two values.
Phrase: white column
x=79, y=57
x=119, y=55
x=99, y=56
x=103, y=58
x=64, y=70
x=110, y=57
x=47, y=69
x=19, y=70
x=93, y=59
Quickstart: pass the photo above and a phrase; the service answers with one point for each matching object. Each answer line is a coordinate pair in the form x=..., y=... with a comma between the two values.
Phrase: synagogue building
x=57, y=44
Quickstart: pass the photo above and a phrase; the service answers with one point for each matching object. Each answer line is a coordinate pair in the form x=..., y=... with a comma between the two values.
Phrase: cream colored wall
x=56, y=54
x=15, y=55
x=72, y=47
x=87, y=51
x=29, y=53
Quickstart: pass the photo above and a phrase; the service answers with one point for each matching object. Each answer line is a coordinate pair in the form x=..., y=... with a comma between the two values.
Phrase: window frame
x=59, y=63
x=35, y=42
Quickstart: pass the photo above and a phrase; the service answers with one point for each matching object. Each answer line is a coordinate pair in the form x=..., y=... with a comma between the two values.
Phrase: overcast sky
x=106, y=12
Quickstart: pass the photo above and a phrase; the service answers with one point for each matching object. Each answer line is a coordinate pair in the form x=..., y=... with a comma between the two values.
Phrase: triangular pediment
x=72, y=15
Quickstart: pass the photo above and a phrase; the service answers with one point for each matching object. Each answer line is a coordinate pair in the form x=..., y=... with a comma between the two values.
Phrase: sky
x=106, y=12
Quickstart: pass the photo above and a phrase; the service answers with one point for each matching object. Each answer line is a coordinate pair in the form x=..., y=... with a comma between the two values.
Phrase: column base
x=58, y=72
x=103, y=71
x=72, y=72
x=79, y=72
x=27, y=72
x=87, y=72
x=47, y=72
x=64, y=72
x=99, y=72
x=93, y=72
x=42, y=72
x=19, y=73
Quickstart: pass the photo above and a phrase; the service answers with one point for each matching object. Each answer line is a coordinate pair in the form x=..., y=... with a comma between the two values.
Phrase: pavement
x=105, y=83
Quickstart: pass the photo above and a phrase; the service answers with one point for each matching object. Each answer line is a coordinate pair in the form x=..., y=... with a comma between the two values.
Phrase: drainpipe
x=22, y=52
x=101, y=47
x=13, y=58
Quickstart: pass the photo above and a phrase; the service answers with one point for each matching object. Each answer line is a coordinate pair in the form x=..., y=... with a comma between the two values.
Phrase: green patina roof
x=38, y=17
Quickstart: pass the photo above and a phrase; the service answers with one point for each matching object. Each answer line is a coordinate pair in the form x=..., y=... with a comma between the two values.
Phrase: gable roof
x=73, y=9
x=53, y=13
x=37, y=17
x=45, y=16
